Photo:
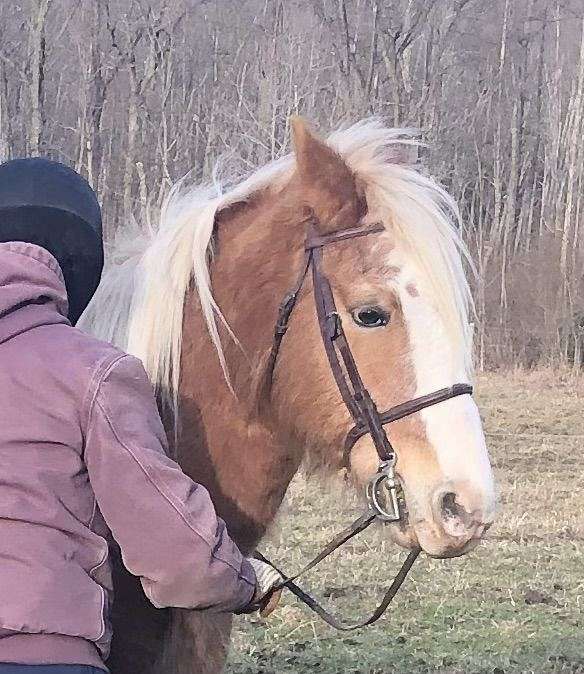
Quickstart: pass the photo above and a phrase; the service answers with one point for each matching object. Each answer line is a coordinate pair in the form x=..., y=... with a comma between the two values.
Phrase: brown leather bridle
x=383, y=488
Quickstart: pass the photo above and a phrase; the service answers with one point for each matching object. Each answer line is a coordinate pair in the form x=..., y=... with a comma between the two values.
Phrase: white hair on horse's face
x=153, y=281
x=423, y=222
x=437, y=360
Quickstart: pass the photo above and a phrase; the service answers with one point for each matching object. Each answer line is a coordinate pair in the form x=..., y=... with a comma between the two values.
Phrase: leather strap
x=315, y=240
x=340, y=539
x=284, y=312
x=366, y=417
x=339, y=623
x=344, y=369
x=359, y=525
x=404, y=410
x=331, y=328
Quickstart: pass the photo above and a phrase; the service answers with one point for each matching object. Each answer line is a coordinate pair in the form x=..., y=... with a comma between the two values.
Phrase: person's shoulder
x=88, y=348
x=74, y=364
x=83, y=357
x=105, y=371
x=120, y=387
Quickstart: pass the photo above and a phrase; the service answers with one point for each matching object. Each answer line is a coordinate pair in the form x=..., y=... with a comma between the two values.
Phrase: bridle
x=383, y=490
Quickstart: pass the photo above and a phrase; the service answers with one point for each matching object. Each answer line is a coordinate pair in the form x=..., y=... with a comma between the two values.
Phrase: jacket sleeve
x=164, y=523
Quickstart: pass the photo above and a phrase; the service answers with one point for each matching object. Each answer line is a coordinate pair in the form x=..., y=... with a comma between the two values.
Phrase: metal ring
x=372, y=492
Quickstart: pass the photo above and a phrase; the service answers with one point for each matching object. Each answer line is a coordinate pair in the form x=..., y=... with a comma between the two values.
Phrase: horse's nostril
x=449, y=505
x=454, y=515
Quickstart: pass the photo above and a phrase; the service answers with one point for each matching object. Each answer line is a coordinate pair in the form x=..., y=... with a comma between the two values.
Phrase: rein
x=383, y=489
x=340, y=539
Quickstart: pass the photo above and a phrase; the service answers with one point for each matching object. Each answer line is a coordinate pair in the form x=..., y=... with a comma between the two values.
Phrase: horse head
x=403, y=300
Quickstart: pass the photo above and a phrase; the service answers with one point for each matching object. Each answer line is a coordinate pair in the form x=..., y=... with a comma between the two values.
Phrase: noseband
x=383, y=487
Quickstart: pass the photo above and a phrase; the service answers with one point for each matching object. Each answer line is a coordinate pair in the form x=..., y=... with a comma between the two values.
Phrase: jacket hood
x=32, y=289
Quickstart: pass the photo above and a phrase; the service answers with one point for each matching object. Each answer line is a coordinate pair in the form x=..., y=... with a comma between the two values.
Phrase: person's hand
x=266, y=576
x=265, y=598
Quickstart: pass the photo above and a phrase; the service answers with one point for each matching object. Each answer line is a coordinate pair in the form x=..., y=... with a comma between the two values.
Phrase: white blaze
x=453, y=427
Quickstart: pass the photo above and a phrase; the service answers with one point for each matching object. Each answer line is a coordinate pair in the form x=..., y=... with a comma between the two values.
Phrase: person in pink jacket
x=83, y=451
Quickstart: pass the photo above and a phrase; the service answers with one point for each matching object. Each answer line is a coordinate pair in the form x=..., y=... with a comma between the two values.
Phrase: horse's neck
x=243, y=463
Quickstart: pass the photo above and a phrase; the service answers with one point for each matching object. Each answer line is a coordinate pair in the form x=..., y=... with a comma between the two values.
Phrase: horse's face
x=403, y=349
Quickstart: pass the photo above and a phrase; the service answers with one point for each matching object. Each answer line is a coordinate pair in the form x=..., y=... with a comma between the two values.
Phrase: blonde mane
x=139, y=304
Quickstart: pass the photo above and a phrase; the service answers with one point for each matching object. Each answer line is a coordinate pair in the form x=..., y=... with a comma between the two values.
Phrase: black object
x=49, y=204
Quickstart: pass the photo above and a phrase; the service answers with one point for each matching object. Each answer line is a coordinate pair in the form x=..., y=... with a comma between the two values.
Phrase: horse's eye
x=370, y=317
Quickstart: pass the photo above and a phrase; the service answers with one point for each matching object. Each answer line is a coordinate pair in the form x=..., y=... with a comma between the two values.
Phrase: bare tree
x=135, y=93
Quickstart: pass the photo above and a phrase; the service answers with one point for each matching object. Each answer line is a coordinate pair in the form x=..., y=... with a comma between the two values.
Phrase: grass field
x=513, y=605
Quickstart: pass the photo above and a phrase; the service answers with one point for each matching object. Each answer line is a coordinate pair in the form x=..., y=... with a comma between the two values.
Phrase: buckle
x=382, y=493
x=333, y=325
x=284, y=312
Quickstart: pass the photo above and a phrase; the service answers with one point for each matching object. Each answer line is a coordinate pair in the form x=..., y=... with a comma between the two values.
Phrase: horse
x=196, y=300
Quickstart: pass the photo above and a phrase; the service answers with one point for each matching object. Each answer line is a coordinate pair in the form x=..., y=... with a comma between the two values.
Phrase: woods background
x=135, y=93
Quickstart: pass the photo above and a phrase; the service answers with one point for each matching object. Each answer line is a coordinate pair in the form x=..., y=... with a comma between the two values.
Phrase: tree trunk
x=37, y=76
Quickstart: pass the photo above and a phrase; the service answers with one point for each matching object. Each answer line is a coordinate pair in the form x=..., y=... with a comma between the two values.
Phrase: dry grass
x=513, y=605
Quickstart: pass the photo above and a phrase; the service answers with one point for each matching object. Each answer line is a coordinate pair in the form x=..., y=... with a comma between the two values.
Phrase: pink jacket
x=82, y=454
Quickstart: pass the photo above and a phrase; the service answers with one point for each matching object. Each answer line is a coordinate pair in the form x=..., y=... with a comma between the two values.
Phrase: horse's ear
x=328, y=187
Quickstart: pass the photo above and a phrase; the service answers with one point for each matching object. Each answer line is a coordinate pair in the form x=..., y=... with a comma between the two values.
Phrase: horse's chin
x=404, y=535
x=456, y=552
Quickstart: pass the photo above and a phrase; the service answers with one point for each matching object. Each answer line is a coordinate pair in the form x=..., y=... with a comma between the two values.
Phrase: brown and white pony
x=197, y=300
